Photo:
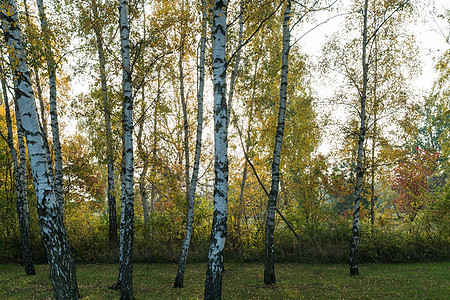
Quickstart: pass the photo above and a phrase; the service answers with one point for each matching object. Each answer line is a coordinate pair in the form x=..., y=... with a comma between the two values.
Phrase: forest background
x=406, y=191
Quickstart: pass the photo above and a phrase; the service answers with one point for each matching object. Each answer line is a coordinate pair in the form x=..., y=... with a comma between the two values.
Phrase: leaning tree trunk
x=37, y=79
x=62, y=267
x=21, y=183
x=213, y=284
x=185, y=116
x=359, y=167
x=198, y=145
x=51, y=68
x=112, y=221
x=269, y=272
x=127, y=193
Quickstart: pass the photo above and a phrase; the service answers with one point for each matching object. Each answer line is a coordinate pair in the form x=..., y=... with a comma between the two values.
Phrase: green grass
x=244, y=281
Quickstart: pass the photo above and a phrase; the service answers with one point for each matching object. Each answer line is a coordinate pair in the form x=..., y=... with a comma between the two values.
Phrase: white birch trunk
x=198, y=145
x=353, y=255
x=269, y=272
x=21, y=183
x=51, y=68
x=213, y=284
x=38, y=82
x=127, y=193
x=62, y=268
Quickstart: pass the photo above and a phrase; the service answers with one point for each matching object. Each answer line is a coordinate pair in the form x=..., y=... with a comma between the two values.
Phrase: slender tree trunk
x=41, y=104
x=51, y=68
x=185, y=117
x=375, y=110
x=155, y=143
x=359, y=164
x=127, y=193
x=21, y=183
x=247, y=149
x=372, y=192
x=269, y=272
x=213, y=283
x=112, y=212
x=198, y=145
x=236, y=66
x=62, y=267
x=144, y=157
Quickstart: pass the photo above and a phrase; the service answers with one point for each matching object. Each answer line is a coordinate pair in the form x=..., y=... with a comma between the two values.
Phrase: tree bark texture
x=269, y=272
x=179, y=279
x=62, y=267
x=213, y=283
x=112, y=212
x=51, y=68
x=353, y=255
x=38, y=82
x=21, y=183
x=127, y=193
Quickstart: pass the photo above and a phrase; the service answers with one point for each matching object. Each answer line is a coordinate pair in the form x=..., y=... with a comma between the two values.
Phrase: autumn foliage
x=411, y=181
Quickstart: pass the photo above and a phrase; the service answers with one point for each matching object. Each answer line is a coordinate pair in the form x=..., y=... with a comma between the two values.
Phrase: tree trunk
x=236, y=66
x=213, y=284
x=41, y=104
x=198, y=145
x=112, y=221
x=247, y=149
x=21, y=183
x=269, y=272
x=144, y=157
x=51, y=68
x=359, y=166
x=375, y=110
x=62, y=267
x=142, y=186
x=185, y=116
x=127, y=193
x=38, y=82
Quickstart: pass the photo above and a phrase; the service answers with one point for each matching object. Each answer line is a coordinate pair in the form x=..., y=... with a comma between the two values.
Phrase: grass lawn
x=244, y=281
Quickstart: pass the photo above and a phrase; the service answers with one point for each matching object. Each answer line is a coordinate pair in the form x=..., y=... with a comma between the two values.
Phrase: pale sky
x=429, y=31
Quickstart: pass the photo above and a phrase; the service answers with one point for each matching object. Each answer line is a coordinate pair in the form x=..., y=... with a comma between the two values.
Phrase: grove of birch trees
x=204, y=131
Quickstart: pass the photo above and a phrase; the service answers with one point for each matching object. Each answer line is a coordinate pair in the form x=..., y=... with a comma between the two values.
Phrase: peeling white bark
x=62, y=268
x=359, y=167
x=127, y=192
x=51, y=68
x=213, y=284
x=21, y=182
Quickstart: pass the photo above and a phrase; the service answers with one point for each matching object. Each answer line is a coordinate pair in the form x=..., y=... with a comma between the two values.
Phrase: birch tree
x=51, y=69
x=21, y=181
x=127, y=193
x=213, y=284
x=269, y=272
x=359, y=167
x=98, y=29
x=62, y=268
x=198, y=145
